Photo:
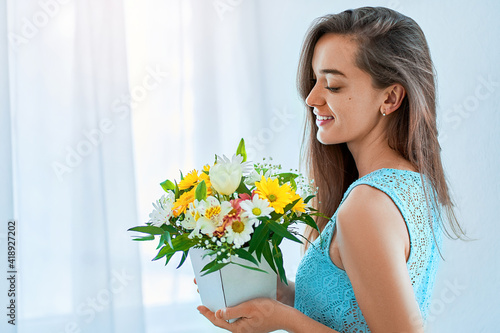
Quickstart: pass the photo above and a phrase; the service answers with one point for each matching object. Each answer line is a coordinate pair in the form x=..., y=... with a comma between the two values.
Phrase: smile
x=318, y=117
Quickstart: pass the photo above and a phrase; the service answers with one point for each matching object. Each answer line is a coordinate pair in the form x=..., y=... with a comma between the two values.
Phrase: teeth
x=323, y=118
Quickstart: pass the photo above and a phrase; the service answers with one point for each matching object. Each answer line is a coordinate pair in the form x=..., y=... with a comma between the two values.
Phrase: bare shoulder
x=368, y=217
x=373, y=244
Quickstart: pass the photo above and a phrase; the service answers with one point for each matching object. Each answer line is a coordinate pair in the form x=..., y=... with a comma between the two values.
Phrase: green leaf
x=163, y=252
x=168, y=238
x=201, y=191
x=278, y=258
x=266, y=252
x=167, y=185
x=290, y=205
x=242, y=188
x=252, y=268
x=183, y=243
x=286, y=177
x=149, y=229
x=259, y=235
x=169, y=228
x=246, y=255
x=281, y=230
x=213, y=268
x=306, y=200
x=277, y=239
x=169, y=256
x=177, y=190
x=310, y=221
x=184, y=256
x=145, y=238
x=161, y=242
x=241, y=150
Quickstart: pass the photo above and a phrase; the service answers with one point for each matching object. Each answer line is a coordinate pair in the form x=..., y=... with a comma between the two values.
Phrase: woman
x=367, y=79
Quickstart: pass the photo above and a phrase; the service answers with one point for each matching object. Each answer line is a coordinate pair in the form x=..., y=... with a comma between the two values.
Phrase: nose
x=314, y=98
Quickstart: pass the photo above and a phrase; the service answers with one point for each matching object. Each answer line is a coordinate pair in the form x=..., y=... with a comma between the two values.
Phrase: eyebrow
x=332, y=71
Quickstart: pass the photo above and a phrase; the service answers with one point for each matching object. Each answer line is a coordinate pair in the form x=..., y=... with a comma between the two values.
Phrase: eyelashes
x=332, y=89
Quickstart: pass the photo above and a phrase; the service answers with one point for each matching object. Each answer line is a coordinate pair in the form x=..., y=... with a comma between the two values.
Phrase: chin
x=323, y=139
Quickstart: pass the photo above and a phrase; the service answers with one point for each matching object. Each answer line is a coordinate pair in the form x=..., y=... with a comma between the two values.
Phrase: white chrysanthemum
x=256, y=207
x=238, y=233
x=163, y=210
x=212, y=213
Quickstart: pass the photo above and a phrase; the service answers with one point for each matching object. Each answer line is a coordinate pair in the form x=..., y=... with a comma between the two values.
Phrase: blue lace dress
x=323, y=291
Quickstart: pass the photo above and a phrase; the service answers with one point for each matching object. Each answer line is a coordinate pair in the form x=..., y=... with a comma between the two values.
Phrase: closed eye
x=332, y=89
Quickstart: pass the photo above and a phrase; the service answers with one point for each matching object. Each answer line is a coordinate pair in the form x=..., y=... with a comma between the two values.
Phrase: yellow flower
x=192, y=179
x=189, y=180
x=183, y=202
x=300, y=206
x=278, y=196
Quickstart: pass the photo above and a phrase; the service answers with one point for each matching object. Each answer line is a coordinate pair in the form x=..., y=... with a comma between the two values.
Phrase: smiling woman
x=367, y=80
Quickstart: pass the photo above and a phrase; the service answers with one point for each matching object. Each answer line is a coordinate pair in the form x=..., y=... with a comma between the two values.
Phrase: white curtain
x=73, y=167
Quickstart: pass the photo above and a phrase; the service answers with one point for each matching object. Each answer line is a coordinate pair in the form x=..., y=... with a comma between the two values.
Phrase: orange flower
x=183, y=202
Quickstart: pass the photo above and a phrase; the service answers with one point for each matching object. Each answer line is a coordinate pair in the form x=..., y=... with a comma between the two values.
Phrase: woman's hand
x=257, y=315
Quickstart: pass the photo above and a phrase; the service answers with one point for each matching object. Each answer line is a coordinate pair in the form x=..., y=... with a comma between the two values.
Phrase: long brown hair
x=392, y=49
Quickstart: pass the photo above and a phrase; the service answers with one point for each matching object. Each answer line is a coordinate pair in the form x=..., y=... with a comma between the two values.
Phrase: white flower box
x=232, y=284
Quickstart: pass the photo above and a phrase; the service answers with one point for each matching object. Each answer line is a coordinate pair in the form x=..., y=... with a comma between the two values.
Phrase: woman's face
x=346, y=105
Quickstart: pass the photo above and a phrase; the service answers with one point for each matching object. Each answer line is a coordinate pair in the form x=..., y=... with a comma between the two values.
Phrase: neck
x=376, y=154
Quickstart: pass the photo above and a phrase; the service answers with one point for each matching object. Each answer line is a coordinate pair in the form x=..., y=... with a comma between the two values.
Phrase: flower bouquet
x=231, y=215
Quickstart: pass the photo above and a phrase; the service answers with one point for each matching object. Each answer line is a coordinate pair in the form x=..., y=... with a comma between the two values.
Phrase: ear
x=394, y=96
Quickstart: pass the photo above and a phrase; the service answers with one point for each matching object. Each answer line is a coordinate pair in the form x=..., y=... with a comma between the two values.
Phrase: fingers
x=211, y=316
x=197, y=290
x=234, y=312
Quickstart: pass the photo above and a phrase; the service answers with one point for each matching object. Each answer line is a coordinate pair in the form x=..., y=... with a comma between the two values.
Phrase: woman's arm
x=372, y=238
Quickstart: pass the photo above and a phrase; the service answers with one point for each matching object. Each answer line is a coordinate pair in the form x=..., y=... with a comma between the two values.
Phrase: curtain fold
x=6, y=162
x=74, y=172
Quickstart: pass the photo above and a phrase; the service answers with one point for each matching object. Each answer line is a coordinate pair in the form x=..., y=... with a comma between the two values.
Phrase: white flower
x=256, y=207
x=255, y=176
x=163, y=210
x=191, y=216
x=226, y=174
x=239, y=232
x=211, y=213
